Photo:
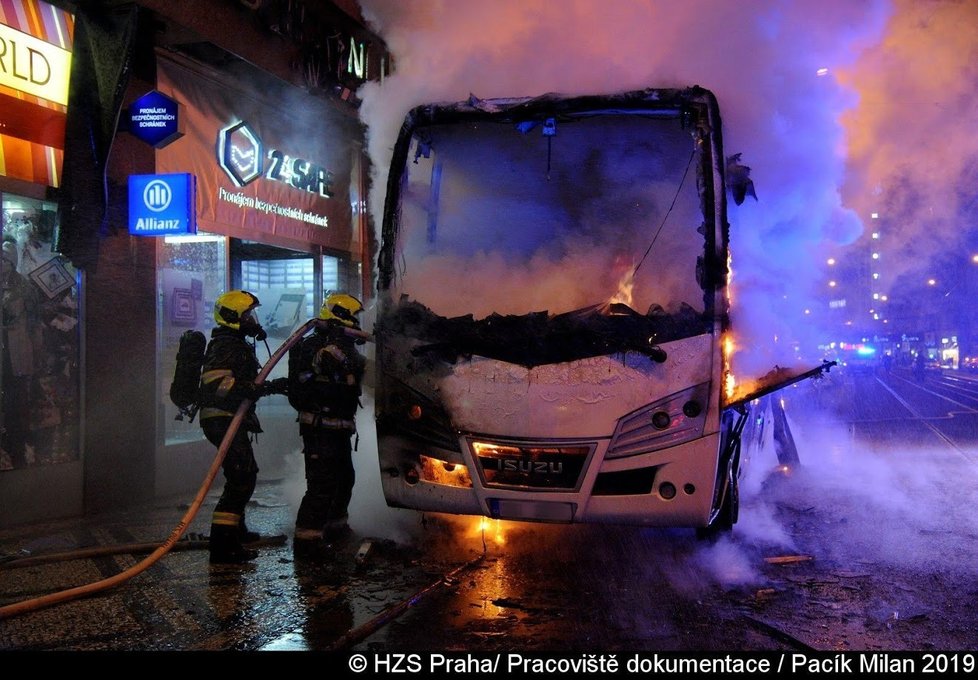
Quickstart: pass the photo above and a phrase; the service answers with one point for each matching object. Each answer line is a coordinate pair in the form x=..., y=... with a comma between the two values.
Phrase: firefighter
x=325, y=375
x=227, y=379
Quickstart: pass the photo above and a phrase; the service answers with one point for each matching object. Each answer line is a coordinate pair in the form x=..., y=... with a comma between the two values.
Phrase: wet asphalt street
x=870, y=544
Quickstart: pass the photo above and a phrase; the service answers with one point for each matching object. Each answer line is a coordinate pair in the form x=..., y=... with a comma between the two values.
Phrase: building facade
x=253, y=105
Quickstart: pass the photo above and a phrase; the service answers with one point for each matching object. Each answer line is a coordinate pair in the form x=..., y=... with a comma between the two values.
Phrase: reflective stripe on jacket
x=320, y=420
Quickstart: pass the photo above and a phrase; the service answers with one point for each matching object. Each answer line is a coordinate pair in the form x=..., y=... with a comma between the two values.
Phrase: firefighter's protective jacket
x=325, y=374
x=228, y=376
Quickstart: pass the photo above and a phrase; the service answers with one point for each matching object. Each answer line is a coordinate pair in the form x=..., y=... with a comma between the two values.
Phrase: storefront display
x=39, y=375
x=266, y=218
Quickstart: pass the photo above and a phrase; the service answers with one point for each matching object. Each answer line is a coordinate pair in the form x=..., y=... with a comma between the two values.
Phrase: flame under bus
x=552, y=282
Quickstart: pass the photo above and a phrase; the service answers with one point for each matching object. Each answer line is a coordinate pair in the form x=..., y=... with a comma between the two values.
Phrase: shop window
x=341, y=275
x=331, y=273
x=284, y=281
x=39, y=374
x=191, y=271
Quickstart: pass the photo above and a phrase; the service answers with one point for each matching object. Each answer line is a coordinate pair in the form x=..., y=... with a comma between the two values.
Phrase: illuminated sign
x=356, y=64
x=162, y=204
x=31, y=65
x=242, y=156
x=240, y=153
x=155, y=119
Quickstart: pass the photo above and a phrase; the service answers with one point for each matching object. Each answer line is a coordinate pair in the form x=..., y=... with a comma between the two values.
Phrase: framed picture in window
x=52, y=277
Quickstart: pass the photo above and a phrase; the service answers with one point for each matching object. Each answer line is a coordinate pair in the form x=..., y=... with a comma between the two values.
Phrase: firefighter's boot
x=308, y=544
x=337, y=531
x=225, y=545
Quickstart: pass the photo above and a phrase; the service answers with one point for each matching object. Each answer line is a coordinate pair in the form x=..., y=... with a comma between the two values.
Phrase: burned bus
x=551, y=313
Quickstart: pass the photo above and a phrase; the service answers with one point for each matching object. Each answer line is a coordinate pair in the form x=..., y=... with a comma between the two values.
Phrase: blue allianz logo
x=162, y=204
x=157, y=195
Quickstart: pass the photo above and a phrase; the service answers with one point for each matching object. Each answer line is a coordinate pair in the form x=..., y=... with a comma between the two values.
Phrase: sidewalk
x=184, y=603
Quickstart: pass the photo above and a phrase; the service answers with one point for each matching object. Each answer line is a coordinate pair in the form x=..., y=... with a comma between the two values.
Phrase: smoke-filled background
x=910, y=143
x=840, y=109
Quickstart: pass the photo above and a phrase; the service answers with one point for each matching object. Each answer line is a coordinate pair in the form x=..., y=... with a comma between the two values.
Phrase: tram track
x=897, y=409
x=927, y=422
x=954, y=388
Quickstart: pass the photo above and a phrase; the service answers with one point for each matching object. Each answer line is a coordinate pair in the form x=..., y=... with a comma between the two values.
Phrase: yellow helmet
x=341, y=308
x=231, y=307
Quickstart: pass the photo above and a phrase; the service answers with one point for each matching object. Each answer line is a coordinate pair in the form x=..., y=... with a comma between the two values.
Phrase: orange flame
x=442, y=472
x=625, y=287
x=729, y=381
x=491, y=529
x=729, y=346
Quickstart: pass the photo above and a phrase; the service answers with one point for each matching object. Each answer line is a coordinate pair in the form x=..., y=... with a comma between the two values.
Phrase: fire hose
x=178, y=531
x=358, y=634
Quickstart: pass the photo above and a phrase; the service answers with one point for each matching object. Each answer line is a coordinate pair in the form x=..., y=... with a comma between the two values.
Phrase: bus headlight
x=680, y=417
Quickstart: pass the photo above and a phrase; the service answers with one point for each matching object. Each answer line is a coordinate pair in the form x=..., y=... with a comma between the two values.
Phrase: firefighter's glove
x=277, y=386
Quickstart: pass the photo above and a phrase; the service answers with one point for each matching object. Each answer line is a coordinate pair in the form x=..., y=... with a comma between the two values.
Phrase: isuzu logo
x=529, y=467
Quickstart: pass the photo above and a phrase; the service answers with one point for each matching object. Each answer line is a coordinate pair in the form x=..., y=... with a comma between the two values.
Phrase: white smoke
x=911, y=144
x=761, y=59
x=368, y=516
